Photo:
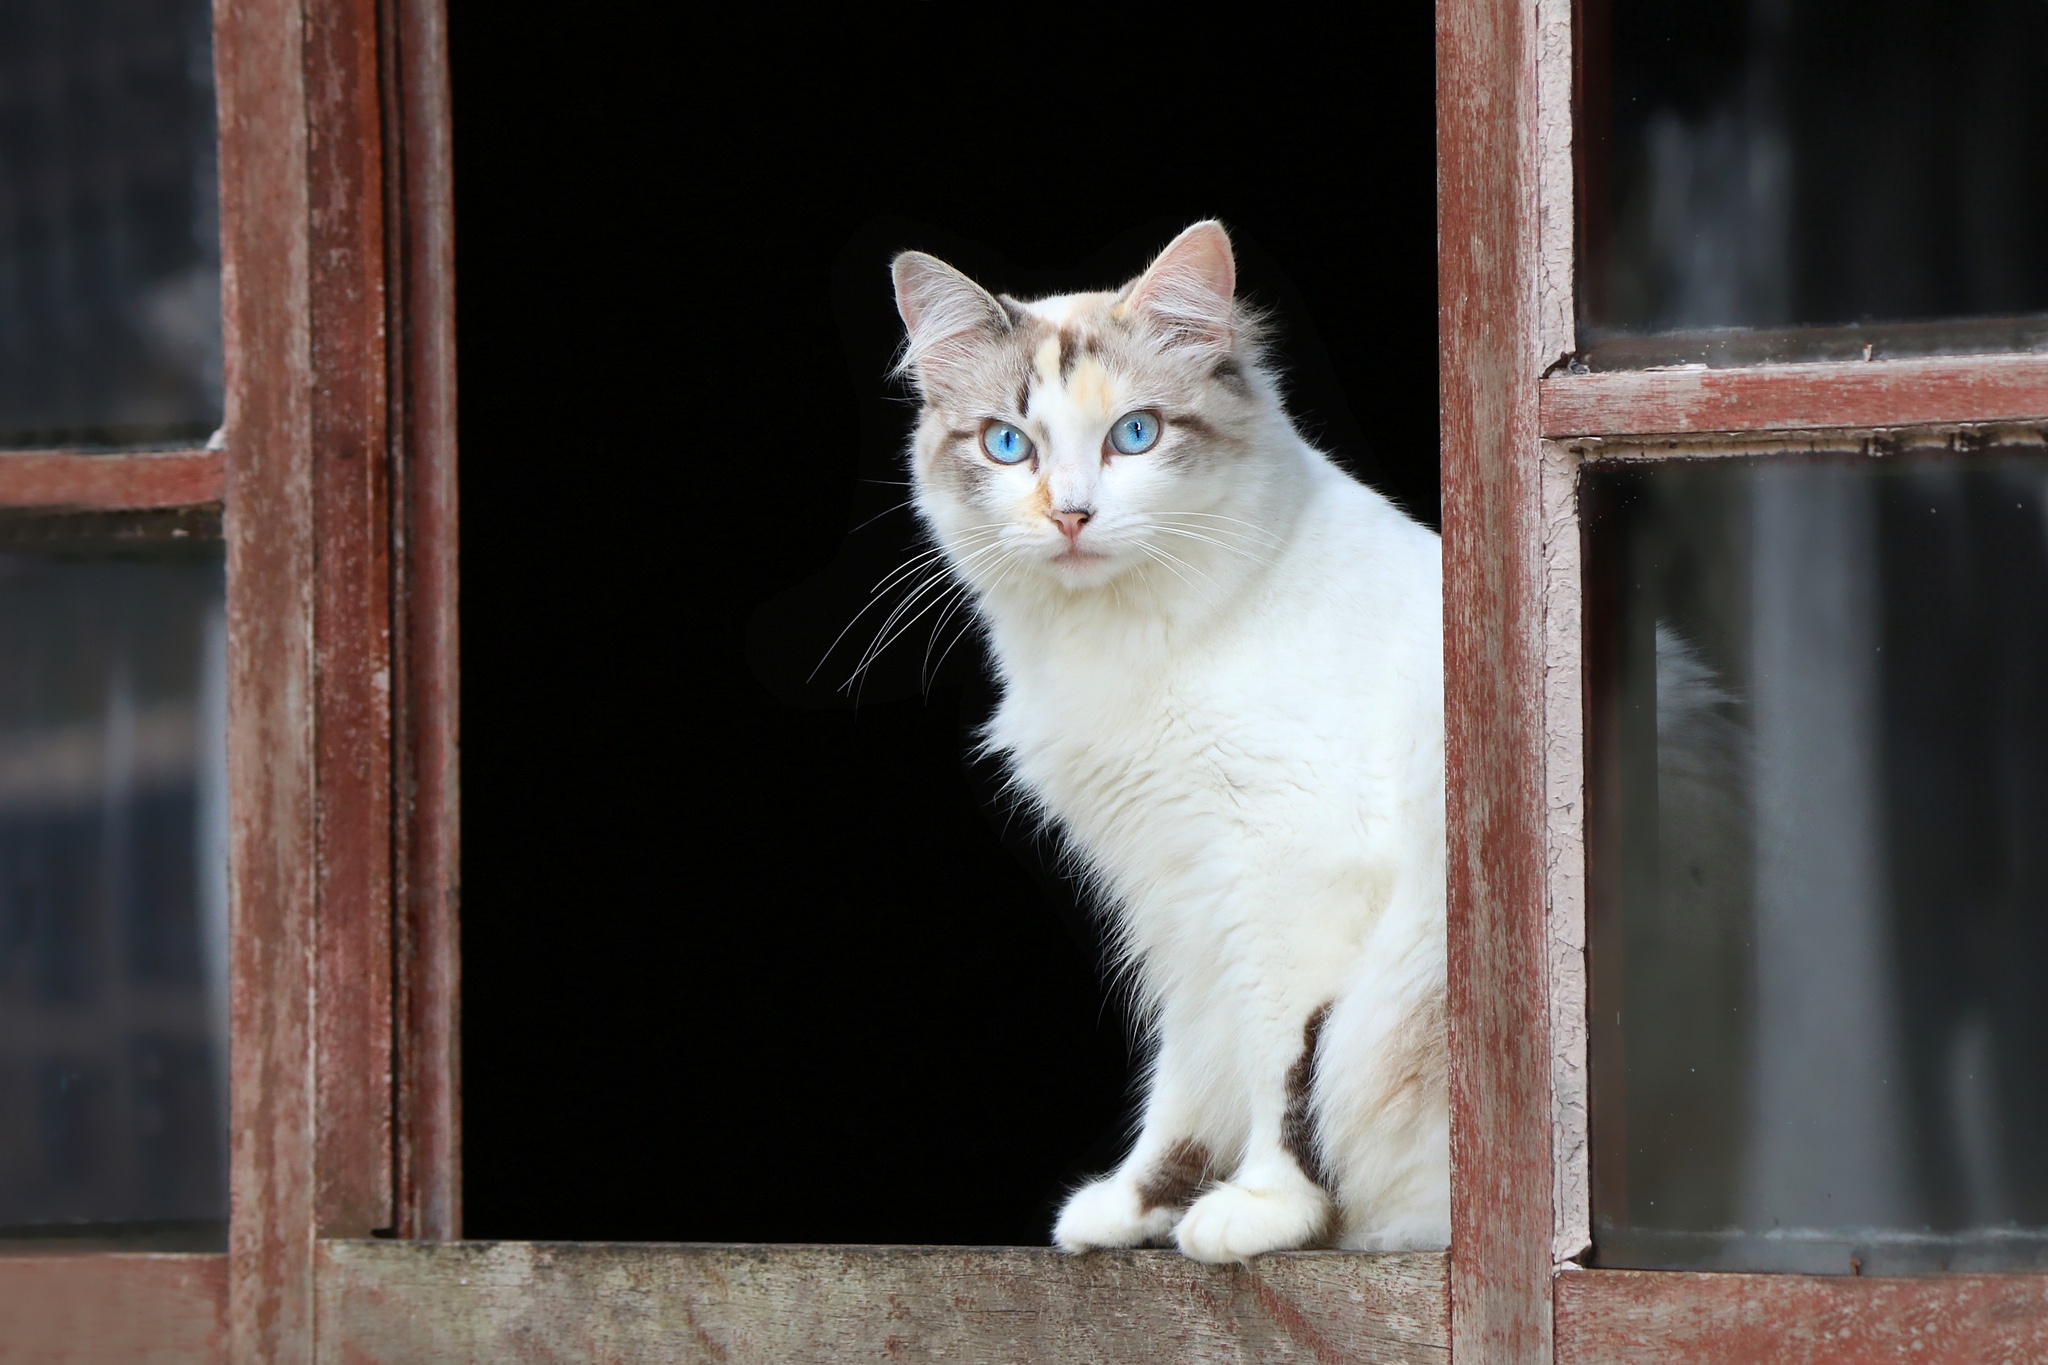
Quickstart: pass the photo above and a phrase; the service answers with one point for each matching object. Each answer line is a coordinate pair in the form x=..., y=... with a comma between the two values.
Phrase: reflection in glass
x=1818, y=861
x=1863, y=167
x=113, y=891
x=110, y=327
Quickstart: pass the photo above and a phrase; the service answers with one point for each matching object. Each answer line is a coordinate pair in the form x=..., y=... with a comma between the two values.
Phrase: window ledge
x=513, y=1301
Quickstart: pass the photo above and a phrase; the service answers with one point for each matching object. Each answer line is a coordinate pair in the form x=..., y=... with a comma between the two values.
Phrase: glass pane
x=1873, y=168
x=1818, y=859
x=109, y=223
x=113, y=890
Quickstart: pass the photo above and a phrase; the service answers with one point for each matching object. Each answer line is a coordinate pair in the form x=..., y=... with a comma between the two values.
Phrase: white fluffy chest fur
x=1278, y=755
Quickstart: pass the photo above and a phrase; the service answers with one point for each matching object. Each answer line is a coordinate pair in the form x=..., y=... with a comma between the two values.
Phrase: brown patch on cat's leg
x=1176, y=1177
x=1297, y=1123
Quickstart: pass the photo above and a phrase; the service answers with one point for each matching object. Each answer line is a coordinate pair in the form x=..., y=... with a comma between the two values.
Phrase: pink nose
x=1071, y=520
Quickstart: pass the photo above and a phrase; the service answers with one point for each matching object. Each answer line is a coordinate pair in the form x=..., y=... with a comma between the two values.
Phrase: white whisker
x=898, y=507
x=909, y=568
x=1164, y=560
x=1253, y=528
x=943, y=579
x=1211, y=540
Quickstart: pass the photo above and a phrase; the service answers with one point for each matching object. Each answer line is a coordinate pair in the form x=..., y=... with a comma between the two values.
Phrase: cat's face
x=1079, y=439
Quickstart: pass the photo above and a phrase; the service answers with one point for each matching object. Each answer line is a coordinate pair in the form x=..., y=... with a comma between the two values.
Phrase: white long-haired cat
x=1221, y=668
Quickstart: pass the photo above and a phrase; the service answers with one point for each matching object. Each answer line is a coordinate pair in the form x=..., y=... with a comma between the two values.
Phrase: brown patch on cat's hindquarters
x=1176, y=1177
x=1297, y=1122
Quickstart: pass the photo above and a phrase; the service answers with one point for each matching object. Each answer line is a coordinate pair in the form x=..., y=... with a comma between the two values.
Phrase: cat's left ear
x=948, y=317
x=1187, y=291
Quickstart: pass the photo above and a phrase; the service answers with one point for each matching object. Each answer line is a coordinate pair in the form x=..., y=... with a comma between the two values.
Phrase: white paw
x=1232, y=1223
x=1107, y=1213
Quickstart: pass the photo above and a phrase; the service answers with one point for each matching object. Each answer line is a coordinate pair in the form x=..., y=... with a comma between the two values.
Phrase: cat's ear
x=948, y=318
x=1187, y=291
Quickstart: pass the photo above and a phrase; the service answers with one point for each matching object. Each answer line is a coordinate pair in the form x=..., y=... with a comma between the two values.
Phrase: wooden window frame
x=334, y=474
x=1517, y=426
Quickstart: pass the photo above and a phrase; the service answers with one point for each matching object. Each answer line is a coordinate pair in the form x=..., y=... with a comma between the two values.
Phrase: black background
x=743, y=960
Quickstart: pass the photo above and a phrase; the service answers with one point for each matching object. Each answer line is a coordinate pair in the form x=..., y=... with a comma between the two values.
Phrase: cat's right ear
x=948, y=319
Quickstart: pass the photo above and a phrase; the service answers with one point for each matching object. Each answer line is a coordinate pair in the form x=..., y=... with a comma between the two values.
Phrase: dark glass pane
x=113, y=888
x=1877, y=169
x=1818, y=859
x=110, y=326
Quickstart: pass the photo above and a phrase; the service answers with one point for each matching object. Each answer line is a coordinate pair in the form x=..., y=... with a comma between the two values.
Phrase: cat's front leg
x=1277, y=1199
x=1169, y=1165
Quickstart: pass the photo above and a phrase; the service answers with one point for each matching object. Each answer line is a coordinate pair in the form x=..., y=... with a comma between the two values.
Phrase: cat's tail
x=1381, y=1094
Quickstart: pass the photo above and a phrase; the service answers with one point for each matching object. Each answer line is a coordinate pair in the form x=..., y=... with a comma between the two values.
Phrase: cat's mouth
x=1075, y=556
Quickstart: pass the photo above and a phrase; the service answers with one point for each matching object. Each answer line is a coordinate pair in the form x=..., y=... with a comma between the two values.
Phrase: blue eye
x=1005, y=444
x=1135, y=433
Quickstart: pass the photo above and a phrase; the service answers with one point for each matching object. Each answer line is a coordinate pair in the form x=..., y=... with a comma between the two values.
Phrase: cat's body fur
x=1221, y=665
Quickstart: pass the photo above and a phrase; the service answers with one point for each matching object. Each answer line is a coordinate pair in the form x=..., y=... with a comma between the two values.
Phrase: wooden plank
x=351, y=618
x=309, y=639
x=259, y=84
x=1489, y=330
x=132, y=481
x=1618, y=1317
x=426, y=639
x=112, y=1309
x=1884, y=393
x=389, y=1301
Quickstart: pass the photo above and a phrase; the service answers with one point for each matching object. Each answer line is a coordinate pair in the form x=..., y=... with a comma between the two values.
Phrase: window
x=1722, y=375
x=1613, y=417
x=228, y=730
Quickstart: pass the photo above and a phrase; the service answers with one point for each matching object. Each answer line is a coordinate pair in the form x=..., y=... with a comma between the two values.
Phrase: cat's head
x=1080, y=440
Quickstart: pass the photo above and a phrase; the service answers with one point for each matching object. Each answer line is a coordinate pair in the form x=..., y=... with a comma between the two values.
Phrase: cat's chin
x=1084, y=568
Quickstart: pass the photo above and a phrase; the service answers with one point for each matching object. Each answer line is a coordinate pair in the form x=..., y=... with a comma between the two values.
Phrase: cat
x=1220, y=662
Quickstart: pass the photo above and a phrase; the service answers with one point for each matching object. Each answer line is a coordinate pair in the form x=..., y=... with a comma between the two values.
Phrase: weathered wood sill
x=522, y=1301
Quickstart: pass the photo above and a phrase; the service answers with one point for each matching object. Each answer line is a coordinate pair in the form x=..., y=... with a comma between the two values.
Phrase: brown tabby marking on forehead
x=1230, y=374
x=1024, y=395
x=1071, y=344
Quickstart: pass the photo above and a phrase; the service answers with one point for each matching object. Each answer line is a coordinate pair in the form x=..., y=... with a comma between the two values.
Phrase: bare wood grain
x=1490, y=334
x=113, y=1309
x=1621, y=1317
x=518, y=1301
x=131, y=481
x=1885, y=393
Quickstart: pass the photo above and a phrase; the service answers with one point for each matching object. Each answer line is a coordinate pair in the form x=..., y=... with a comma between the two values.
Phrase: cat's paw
x=1234, y=1223
x=1109, y=1213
